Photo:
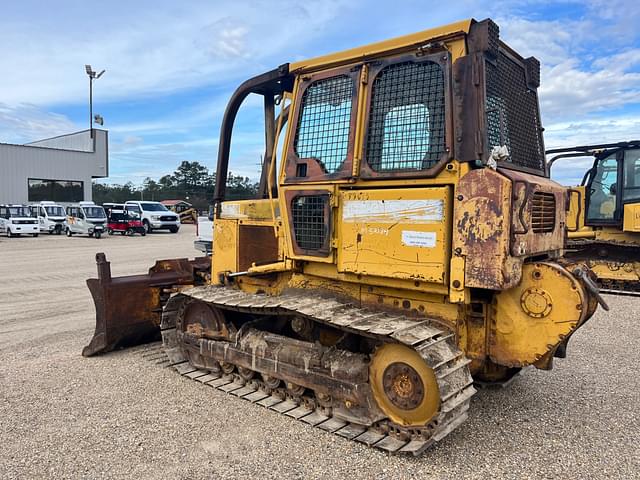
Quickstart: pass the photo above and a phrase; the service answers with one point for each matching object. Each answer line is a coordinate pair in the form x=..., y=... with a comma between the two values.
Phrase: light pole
x=92, y=76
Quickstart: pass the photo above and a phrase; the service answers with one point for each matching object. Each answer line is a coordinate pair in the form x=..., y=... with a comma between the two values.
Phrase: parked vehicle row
x=87, y=218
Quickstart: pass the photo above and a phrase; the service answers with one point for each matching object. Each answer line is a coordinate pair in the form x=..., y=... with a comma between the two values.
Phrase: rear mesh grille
x=512, y=113
x=309, y=222
x=543, y=212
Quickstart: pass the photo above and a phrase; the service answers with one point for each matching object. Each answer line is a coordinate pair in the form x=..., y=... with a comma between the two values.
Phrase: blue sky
x=171, y=67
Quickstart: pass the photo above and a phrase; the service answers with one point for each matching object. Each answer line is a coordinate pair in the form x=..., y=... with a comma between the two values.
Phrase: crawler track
x=435, y=345
x=618, y=256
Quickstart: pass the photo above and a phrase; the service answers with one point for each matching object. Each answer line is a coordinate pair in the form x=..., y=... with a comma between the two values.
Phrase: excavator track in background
x=394, y=334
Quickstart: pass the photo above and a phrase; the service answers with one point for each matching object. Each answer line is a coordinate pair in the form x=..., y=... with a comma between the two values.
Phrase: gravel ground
x=121, y=416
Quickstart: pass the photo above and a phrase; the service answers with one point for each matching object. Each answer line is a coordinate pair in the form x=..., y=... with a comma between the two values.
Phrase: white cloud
x=567, y=91
x=150, y=51
x=550, y=41
x=24, y=123
x=599, y=130
x=580, y=75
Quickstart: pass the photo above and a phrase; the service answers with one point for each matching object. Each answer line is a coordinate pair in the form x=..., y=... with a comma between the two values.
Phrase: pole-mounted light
x=93, y=76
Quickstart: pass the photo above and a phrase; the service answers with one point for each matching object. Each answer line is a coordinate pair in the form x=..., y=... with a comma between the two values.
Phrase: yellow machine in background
x=603, y=222
x=406, y=242
x=185, y=210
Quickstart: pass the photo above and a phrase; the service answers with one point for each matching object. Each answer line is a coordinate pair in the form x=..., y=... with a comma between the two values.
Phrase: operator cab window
x=407, y=119
x=603, y=190
x=325, y=121
x=631, y=190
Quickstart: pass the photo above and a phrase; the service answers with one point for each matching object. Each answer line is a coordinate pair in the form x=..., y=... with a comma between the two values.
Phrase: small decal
x=419, y=239
x=230, y=210
x=393, y=211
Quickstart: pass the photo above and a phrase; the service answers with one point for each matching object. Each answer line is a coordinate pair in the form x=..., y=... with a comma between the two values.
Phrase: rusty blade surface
x=129, y=309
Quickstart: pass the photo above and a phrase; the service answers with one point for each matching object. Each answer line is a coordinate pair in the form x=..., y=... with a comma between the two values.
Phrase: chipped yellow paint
x=457, y=291
x=396, y=233
x=225, y=248
x=532, y=318
x=481, y=228
x=249, y=209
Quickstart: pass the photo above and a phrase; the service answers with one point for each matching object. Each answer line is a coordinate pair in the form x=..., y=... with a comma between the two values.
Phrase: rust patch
x=482, y=229
x=480, y=220
x=529, y=212
x=128, y=309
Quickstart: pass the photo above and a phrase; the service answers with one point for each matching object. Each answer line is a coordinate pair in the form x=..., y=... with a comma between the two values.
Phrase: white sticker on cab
x=419, y=239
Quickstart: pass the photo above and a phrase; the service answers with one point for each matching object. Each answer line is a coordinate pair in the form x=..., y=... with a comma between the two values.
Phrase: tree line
x=191, y=181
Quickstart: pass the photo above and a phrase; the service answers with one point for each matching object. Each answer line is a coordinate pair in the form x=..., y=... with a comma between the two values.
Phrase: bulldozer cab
x=374, y=143
x=611, y=187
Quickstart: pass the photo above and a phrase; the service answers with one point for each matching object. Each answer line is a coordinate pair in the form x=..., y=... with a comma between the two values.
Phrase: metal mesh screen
x=512, y=113
x=325, y=121
x=309, y=223
x=407, y=117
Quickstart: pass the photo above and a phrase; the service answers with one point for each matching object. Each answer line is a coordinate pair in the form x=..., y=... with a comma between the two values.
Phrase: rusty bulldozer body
x=409, y=243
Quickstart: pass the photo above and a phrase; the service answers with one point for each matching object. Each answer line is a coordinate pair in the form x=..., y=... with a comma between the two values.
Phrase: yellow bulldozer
x=184, y=209
x=406, y=242
x=603, y=221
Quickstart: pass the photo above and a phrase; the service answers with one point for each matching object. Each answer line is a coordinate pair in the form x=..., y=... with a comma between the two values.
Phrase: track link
x=434, y=344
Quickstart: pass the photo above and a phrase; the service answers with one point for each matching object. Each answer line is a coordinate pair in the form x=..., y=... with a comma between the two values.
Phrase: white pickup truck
x=204, y=234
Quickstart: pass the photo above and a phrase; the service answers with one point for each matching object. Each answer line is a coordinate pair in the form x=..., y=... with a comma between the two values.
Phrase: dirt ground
x=121, y=416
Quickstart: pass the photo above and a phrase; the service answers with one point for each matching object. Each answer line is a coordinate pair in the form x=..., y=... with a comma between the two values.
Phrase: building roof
x=174, y=202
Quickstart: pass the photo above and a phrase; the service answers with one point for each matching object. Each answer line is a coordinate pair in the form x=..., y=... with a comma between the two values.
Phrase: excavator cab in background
x=406, y=241
x=603, y=221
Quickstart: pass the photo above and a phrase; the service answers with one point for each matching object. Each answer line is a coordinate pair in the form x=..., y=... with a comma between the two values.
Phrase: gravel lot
x=120, y=416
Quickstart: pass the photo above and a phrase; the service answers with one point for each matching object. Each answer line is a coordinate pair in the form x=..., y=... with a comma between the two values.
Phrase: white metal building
x=59, y=168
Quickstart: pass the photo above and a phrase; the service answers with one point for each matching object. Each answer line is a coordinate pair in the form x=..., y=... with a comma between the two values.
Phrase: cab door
x=42, y=217
x=4, y=212
x=631, y=190
x=81, y=221
x=604, y=192
x=72, y=219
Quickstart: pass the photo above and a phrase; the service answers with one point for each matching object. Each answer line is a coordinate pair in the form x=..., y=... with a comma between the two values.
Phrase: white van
x=86, y=218
x=154, y=216
x=50, y=215
x=16, y=220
